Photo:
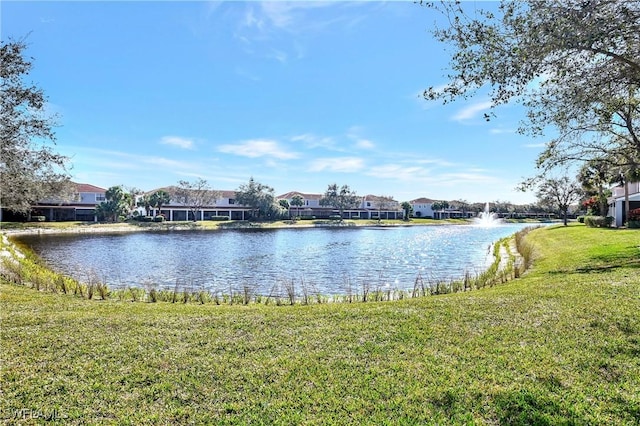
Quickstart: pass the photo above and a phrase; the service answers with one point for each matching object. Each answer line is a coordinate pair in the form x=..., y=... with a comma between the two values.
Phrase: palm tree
x=297, y=201
x=285, y=205
x=146, y=203
x=159, y=199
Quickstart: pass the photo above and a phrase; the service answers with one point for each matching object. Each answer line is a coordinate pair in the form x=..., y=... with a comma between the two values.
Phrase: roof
x=171, y=189
x=422, y=200
x=290, y=195
x=85, y=187
x=227, y=194
x=370, y=197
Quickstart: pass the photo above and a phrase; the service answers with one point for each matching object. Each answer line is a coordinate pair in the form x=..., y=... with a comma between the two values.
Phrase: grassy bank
x=20, y=266
x=133, y=226
x=559, y=346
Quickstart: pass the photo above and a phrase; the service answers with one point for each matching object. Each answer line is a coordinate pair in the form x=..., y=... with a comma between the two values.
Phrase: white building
x=81, y=206
x=616, y=202
x=368, y=207
x=224, y=205
x=422, y=207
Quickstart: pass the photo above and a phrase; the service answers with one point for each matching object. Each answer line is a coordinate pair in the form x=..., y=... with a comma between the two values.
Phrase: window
x=232, y=201
x=100, y=197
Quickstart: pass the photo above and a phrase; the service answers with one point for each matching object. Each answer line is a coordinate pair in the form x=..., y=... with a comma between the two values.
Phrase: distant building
x=225, y=205
x=368, y=207
x=81, y=206
x=422, y=207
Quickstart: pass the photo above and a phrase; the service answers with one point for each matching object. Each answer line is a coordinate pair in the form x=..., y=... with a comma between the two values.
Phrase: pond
x=326, y=260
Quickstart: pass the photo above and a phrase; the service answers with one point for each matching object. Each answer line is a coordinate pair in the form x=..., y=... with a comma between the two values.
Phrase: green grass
x=213, y=225
x=561, y=345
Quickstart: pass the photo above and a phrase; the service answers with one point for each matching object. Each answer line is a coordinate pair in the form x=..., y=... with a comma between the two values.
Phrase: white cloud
x=178, y=141
x=242, y=72
x=313, y=141
x=471, y=179
x=365, y=144
x=338, y=164
x=258, y=148
x=166, y=163
x=399, y=172
x=287, y=24
x=471, y=111
x=436, y=162
x=355, y=134
x=279, y=55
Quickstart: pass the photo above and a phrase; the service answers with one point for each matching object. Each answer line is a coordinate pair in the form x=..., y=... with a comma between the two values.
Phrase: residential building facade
x=422, y=207
x=367, y=207
x=81, y=206
x=225, y=205
x=617, y=202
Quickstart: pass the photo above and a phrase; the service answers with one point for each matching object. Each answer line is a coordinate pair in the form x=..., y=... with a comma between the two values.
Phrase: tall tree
x=195, y=195
x=116, y=205
x=596, y=178
x=146, y=203
x=408, y=209
x=29, y=168
x=285, y=205
x=260, y=198
x=440, y=205
x=159, y=199
x=559, y=193
x=133, y=195
x=298, y=202
x=385, y=203
x=341, y=198
x=573, y=65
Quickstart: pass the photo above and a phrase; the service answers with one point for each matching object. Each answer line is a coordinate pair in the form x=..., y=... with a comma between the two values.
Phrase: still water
x=328, y=260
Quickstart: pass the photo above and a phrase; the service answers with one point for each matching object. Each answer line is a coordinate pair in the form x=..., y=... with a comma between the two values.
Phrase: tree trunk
x=626, y=201
x=604, y=206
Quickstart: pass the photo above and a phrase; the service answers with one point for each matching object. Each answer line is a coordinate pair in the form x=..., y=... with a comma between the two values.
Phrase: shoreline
x=107, y=228
x=79, y=228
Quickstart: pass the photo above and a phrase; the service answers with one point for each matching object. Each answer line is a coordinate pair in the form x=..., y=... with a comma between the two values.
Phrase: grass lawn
x=209, y=224
x=559, y=346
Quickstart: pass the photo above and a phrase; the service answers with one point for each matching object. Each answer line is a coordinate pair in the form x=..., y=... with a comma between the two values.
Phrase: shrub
x=220, y=218
x=598, y=221
x=159, y=218
x=634, y=219
x=153, y=295
x=335, y=217
x=581, y=219
x=634, y=215
x=38, y=218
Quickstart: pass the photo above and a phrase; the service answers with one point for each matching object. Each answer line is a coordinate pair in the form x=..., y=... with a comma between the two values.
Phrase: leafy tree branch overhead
x=573, y=65
x=30, y=170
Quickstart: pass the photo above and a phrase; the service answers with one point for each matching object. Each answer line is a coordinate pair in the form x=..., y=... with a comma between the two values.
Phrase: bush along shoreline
x=512, y=256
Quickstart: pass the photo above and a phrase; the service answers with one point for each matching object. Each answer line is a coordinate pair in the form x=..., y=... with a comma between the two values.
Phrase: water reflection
x=328, y=260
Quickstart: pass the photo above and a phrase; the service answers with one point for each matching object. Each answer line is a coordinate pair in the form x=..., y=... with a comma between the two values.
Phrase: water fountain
x=486, y=218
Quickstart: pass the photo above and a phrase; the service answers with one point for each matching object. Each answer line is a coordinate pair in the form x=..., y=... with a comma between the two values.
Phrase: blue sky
x=298, y=95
